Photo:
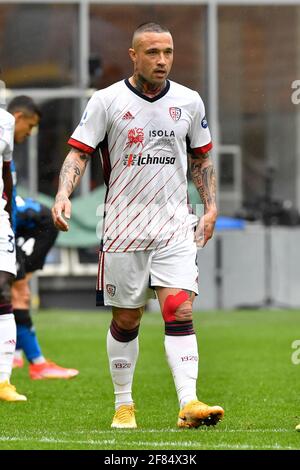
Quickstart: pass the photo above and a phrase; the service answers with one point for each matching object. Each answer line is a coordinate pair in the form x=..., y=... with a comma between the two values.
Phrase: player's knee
x=184, y=312
x=25, y=298
x=127, y=319
x=178, y=307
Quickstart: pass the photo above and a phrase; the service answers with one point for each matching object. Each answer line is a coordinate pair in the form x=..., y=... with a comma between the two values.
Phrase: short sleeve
x=199, y=134
x=92, y=128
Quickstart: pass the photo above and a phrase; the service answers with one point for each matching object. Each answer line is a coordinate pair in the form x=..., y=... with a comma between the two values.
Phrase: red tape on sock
x=172, y=303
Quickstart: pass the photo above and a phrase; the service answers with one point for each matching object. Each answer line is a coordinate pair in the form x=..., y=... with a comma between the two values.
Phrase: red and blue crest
x=175, y=113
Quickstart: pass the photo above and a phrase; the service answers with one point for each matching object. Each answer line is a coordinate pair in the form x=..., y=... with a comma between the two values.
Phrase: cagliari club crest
x=111, y=289
x=175, y=113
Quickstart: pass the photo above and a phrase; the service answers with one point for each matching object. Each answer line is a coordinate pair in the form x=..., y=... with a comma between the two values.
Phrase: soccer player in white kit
x=7, y=263
x=142, y=126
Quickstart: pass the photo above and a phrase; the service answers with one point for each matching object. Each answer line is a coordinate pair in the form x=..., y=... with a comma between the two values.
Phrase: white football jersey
x=7, y=127
x=143, y=143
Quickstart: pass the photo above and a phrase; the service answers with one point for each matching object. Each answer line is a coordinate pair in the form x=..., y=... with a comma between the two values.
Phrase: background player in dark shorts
x=35, y=236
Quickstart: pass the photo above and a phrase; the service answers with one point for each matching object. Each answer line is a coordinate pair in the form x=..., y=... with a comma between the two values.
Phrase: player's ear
x=18, y=115
x=132, y=54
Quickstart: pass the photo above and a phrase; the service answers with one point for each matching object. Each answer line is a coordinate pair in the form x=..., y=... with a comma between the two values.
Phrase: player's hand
x=205, y=228
x=61, y=206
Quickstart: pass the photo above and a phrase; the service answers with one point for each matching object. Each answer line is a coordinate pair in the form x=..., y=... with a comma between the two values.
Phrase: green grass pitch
x=245, y=366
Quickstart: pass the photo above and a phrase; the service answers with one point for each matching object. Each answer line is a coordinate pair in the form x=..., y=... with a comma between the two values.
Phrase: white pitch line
x=151, y=444
x=196, y=446
x=119, y=432
x=56, y=441
x=178, y=431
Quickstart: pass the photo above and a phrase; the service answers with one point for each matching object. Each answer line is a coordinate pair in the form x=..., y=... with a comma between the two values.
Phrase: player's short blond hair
x=149, y=27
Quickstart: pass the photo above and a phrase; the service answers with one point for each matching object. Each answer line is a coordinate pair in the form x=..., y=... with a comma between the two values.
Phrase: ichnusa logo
x=133, y=159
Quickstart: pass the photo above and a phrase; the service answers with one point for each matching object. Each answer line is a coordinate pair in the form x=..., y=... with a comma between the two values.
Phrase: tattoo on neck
x=147, y=88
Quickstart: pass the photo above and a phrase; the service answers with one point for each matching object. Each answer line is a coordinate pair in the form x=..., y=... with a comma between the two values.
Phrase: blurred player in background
x=142, y=125
x=7, y=262
x=35, y=236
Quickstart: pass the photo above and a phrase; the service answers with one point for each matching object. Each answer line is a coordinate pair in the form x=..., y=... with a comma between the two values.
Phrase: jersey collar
x=146, y=98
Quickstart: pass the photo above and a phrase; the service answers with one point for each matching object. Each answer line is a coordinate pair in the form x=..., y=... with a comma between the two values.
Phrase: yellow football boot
x=8, y=393
x=195, y=414
x=124, y=417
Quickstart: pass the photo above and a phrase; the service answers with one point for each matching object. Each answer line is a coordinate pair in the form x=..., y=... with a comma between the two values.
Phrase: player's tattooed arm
x=204, y=178
x=71, y=173
x=72, y=170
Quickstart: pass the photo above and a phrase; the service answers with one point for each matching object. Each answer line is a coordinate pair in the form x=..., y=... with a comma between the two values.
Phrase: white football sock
x=122, y=360
x=182, y=356
x=7, y=345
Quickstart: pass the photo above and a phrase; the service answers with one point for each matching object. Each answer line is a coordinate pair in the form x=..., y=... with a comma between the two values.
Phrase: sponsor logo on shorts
x=111, y=289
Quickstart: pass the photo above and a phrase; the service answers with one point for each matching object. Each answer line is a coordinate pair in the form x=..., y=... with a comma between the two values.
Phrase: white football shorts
x=7, y=246
x=126, y=278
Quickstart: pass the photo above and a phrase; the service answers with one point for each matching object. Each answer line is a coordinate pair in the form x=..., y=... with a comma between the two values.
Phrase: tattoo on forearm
x=68, y=175
x=204, y=156
x=84, y=158
x=209, y=185
x=72, y=170
x=204, y=178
